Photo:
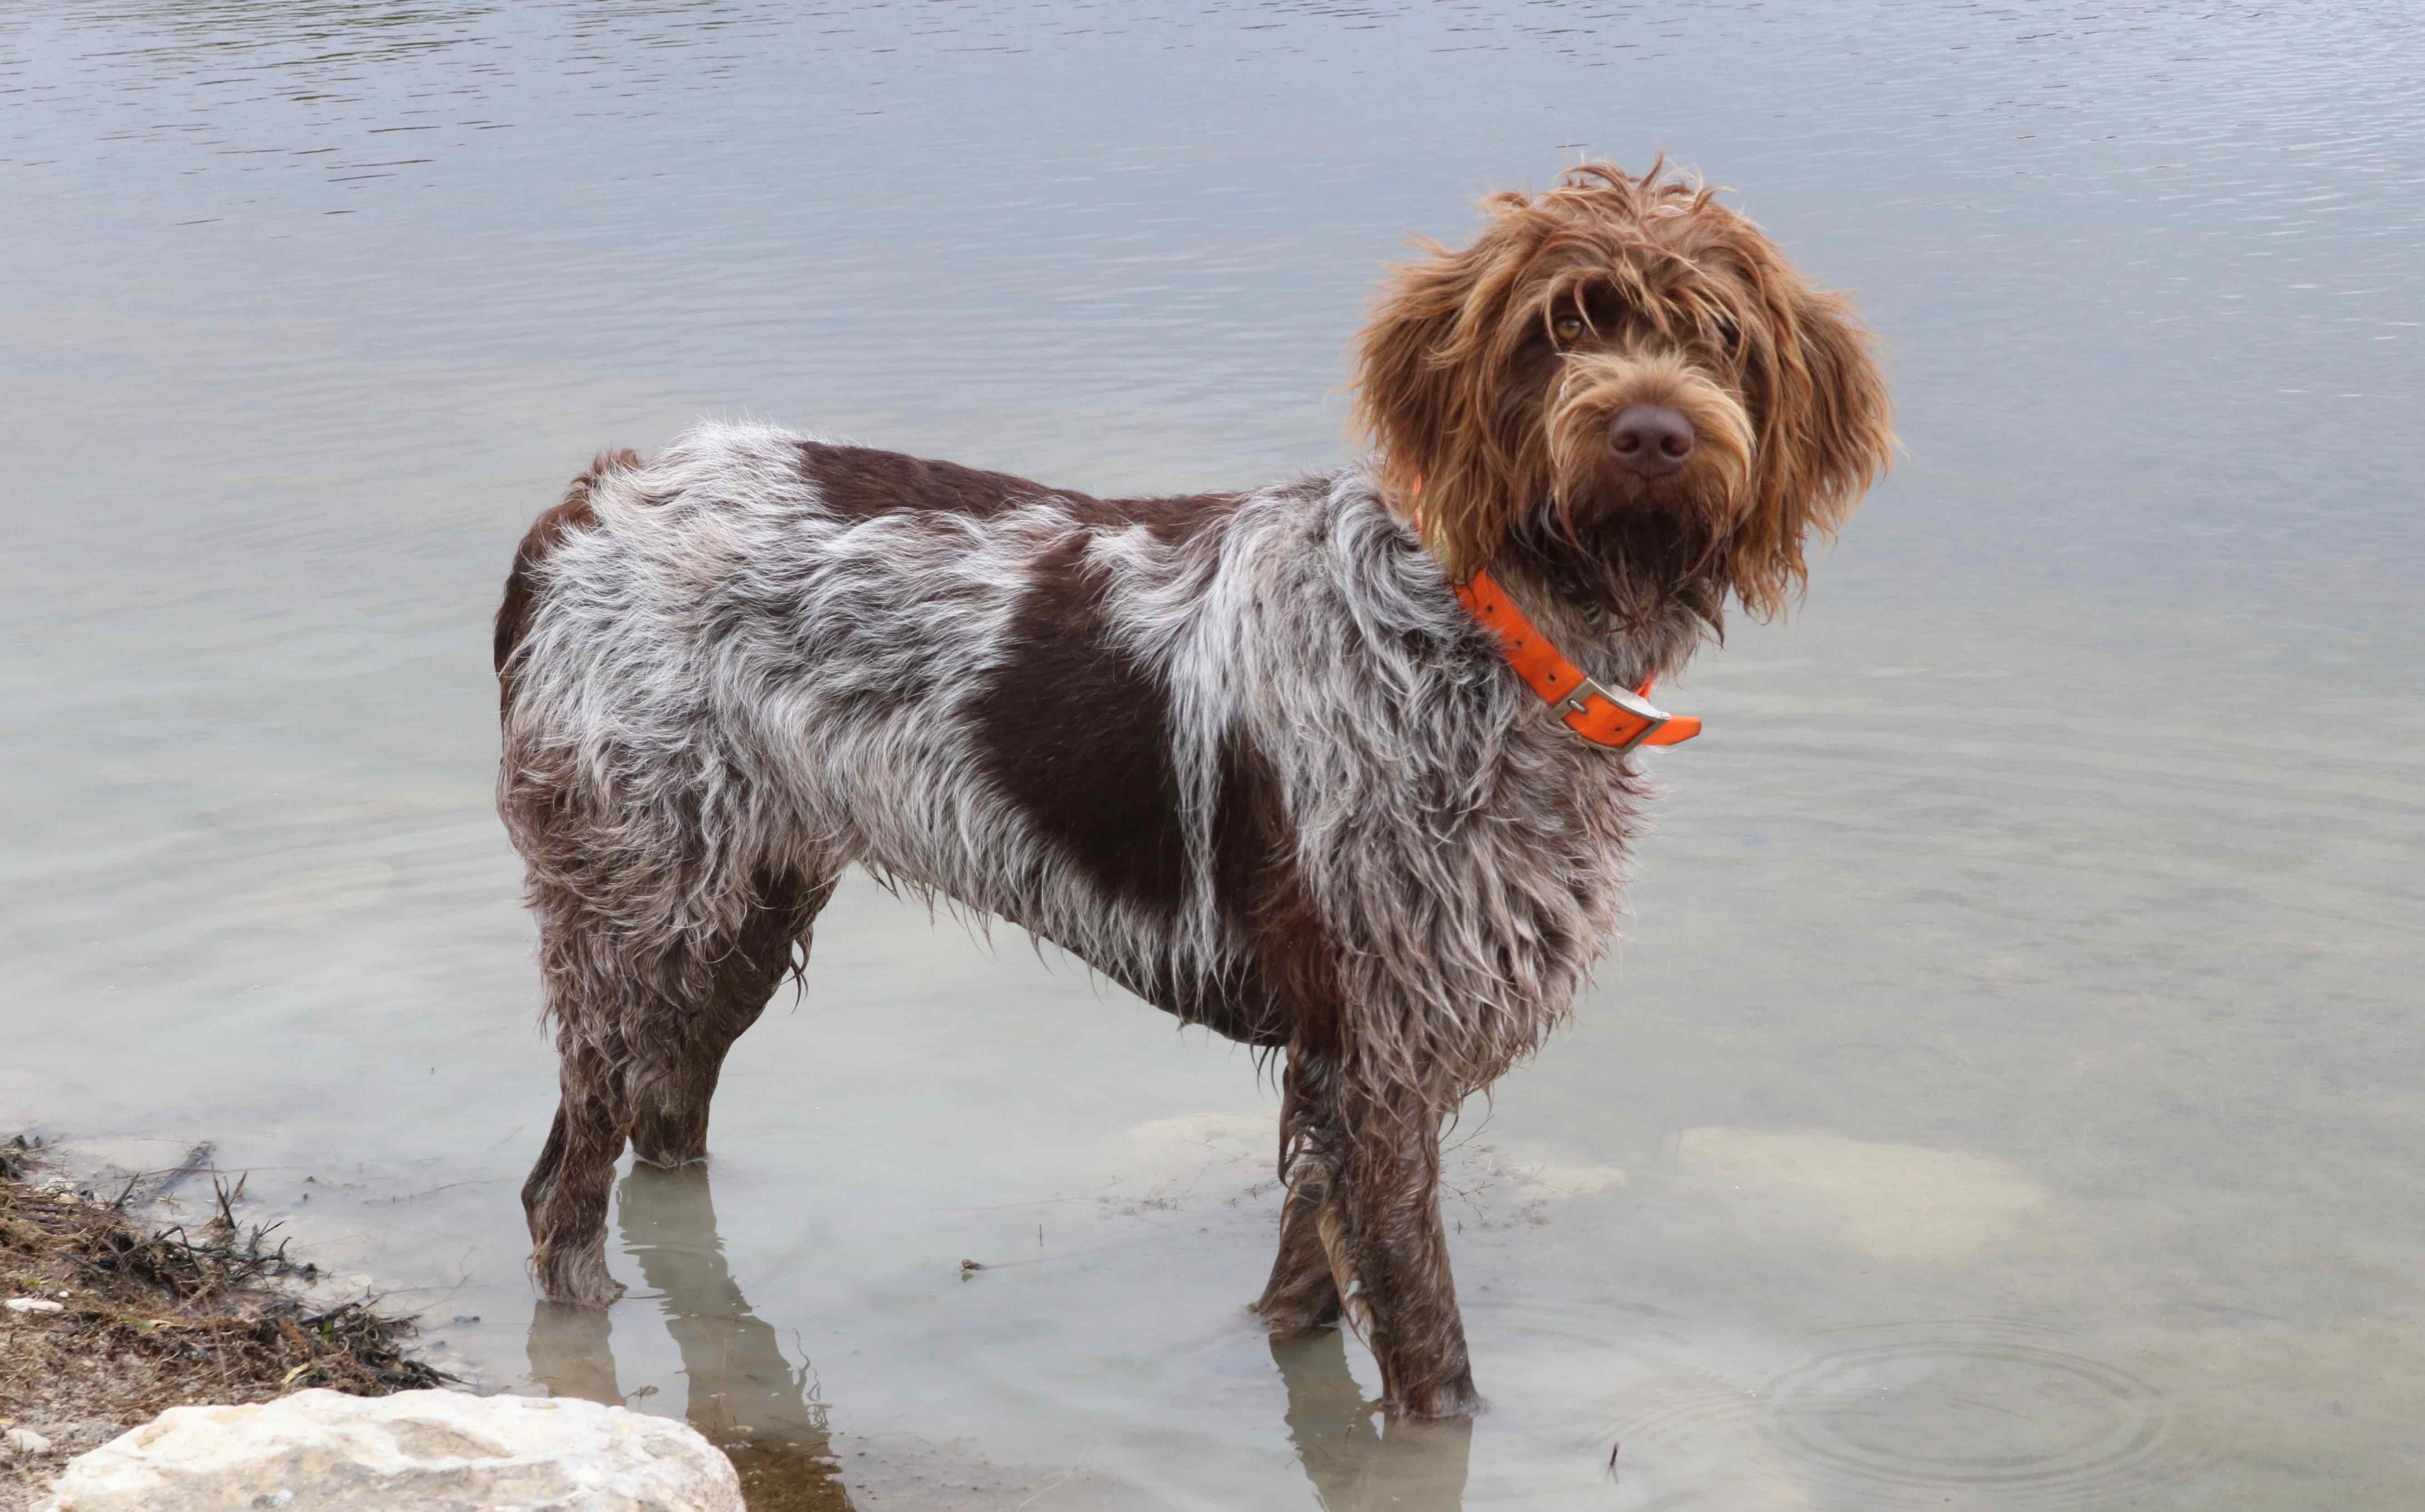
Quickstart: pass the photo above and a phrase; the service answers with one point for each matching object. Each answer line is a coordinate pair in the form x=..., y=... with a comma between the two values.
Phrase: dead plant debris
x=155, y=1319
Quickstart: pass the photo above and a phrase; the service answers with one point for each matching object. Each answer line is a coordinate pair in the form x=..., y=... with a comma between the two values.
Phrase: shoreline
x=107, y=1319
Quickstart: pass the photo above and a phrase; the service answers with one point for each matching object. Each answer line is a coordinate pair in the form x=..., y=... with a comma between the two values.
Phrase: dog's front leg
x=1303, y=1292
x=1401, y=1298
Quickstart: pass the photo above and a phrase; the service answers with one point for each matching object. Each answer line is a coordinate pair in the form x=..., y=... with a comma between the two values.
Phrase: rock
x=414, y=1452
x=25, y=1441
x=35, y=1304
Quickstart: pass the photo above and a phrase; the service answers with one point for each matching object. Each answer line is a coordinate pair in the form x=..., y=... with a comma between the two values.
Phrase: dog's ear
x=1825, y=425
x=1428, y=389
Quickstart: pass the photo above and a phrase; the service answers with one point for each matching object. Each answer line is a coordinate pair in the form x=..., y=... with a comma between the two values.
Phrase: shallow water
x=2009, y=1094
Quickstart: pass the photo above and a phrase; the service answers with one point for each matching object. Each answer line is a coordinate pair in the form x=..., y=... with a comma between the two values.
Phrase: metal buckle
x=1625, y=699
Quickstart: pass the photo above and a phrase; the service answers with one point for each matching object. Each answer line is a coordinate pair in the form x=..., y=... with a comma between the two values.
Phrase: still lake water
x=2010, y=1094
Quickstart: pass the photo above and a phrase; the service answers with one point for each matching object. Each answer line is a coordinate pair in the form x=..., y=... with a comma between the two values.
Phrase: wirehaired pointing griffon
x=1339, y=768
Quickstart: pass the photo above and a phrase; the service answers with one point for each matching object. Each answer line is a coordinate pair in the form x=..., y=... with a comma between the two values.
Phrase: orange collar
x=1605, y=716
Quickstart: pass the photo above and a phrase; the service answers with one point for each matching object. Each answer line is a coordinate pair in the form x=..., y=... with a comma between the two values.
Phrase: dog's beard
x=1634, y=563
x=1605, y=538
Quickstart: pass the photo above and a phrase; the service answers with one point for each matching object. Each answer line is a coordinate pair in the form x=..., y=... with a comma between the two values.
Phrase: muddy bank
x=105, y=1320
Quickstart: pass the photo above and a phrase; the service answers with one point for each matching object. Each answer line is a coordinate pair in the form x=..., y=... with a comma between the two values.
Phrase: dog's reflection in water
x=747, y=1396
x=1356, y=1457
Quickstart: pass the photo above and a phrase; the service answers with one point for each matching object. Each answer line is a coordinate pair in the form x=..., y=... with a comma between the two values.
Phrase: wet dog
x=1341, y=769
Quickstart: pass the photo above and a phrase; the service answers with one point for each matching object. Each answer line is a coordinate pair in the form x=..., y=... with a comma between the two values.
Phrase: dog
x=1341, y=769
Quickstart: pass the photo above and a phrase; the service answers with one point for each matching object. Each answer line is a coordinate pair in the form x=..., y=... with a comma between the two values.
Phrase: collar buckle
x=1577, y=701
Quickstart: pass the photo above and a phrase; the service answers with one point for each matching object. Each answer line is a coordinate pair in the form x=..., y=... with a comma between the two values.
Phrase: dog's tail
x=521, y=585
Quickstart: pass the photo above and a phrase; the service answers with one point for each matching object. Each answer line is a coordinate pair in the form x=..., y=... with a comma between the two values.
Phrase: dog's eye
x=1567, y=326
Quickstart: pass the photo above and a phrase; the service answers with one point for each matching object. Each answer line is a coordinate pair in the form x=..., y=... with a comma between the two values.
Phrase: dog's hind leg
x=674, y=1077
x=1303, y=1292
x=566, y=1190
x=643, y=1021
x=565, y=1197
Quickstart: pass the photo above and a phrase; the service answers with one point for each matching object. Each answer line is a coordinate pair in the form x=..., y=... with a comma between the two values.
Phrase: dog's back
x=759, y=651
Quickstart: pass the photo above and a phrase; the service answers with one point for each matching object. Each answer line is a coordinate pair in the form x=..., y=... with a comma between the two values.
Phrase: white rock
x=25, y=1441
x=34, y=1304
x=414, y=1452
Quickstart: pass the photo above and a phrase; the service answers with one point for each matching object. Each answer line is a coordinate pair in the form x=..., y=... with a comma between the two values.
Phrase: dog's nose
x=1650, y=439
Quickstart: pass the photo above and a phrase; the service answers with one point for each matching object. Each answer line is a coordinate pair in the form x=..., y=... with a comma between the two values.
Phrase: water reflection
x=744, y=1393
x=570, y=1355
x=748, y=1398
x=1356, y=1457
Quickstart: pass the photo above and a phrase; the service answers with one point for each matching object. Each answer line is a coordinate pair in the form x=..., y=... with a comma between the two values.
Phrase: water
x=2009, y=1093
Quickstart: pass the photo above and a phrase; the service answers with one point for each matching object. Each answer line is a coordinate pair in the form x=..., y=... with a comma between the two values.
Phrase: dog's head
x=1622, y=375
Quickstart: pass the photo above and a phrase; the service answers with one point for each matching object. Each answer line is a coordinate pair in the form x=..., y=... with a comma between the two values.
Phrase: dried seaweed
x=152, y=1319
